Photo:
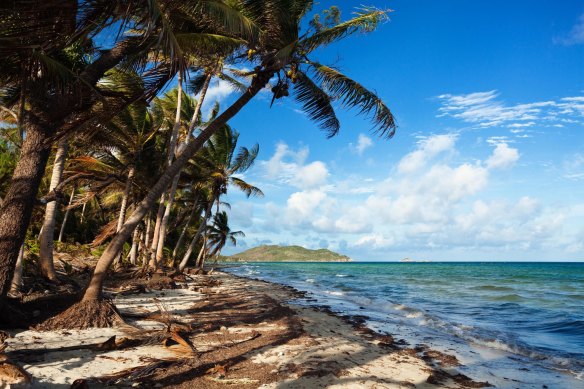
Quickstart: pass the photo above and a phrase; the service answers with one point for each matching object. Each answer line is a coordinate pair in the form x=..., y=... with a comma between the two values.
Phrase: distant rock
x=273, y=253
x=412, y=260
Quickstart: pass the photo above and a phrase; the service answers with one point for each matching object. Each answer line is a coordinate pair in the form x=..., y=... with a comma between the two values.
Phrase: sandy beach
x=224, y=331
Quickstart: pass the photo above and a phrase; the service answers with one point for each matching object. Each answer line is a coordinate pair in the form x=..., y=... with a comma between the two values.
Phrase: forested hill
x=275, y=253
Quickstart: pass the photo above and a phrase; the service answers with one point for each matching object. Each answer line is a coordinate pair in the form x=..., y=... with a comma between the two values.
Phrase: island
x=275, y=253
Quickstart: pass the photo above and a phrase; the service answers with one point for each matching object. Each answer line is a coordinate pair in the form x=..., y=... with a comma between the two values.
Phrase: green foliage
x=273, y=253
x=7, y=164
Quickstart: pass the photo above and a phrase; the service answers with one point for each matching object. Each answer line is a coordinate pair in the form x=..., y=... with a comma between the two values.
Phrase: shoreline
x=486, y=362
x=244, y=333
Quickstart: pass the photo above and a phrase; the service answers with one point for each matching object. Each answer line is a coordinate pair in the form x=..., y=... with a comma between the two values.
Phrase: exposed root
x=84, y=314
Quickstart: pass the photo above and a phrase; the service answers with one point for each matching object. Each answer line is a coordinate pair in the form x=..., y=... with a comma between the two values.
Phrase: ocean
x=516, y=325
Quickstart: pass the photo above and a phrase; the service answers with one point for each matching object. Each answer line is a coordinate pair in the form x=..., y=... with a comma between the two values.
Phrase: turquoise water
x=530, y=313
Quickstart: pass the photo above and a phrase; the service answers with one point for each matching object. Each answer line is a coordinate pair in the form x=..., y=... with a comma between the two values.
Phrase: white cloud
x=503, y=157
x=363, y=143
x=427, y=149
x=304, y=203
x=217, y=91
x=484, y=109
x=374, y=241
x=285, y=163
x=434, y=199
x=575, y=36
x=312, y=175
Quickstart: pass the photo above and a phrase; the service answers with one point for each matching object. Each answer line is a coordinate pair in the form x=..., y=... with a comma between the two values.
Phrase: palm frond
x=248, y=189
x=199, y=43
x=316, y=104
x=353, y=94
x=367, y=20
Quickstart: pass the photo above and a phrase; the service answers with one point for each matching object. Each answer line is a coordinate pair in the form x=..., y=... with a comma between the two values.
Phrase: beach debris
x=134, y=375
x=11, y=374
x=178, y=344
x=218, y=370
x=233, y=381
x=108, y=345
x=79, y=384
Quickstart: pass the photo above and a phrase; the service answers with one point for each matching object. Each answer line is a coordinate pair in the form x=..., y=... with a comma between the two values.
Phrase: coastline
x=243, y=333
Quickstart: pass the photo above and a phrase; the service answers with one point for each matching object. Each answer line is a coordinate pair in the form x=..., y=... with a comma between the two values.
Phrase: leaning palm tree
x=54, y=101
x=281, y=52
x=220, y=162
x=218, y=235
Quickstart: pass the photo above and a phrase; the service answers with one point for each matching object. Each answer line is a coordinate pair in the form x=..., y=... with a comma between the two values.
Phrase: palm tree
x=219, y=162
x=282, y=52
x=219, y=233
x=55, y=101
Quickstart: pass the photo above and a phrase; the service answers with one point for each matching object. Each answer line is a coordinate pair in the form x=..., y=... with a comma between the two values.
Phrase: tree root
x=84, y=314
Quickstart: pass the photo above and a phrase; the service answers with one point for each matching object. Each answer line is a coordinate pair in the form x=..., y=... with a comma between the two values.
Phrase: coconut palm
x=219, y=234
x=55, y=101
x=219, y=163
x=281, y=51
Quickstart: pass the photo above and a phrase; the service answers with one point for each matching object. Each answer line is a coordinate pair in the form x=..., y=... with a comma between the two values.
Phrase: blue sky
x=488, y=159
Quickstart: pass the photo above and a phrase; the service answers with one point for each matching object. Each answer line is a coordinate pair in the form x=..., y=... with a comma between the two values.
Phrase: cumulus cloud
x=503, y=157
x=363, y=143
x=434, y=199
x=310, y=176
x=290, y=167
x=427, y=149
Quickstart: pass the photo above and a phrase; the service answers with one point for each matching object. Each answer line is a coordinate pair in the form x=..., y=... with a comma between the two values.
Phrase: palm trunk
x=198, y=107
x=193, y=243
x=170, y=197
x=83, y=212
x=184, y=230
x=147, y=234
x=94, y=289
x=156, y=234
x=124, y=205
x=201, y=257
x=172, y=193
x=19, y=201
x=17, y=278
x=47, y=237
x=134, y=251
x=62, y=231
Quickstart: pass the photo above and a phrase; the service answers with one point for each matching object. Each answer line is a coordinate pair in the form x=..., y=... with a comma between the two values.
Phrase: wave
x=575, y=327
x=493, y=288
x=512, y=298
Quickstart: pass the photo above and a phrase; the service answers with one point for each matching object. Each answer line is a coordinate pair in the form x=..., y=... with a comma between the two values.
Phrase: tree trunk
x=134, y=250
x=18, y=203
x=124, y=205
x=147, y=233
x=156, y=234
x=93, y=291
x=198, y=107
x=17, y=278
x=83, y=212
x=193, y=243
x=184, y=230
x=62, y=231
x=201, y=257
x=170, y=197
x=48, y=229
x=172, y=193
